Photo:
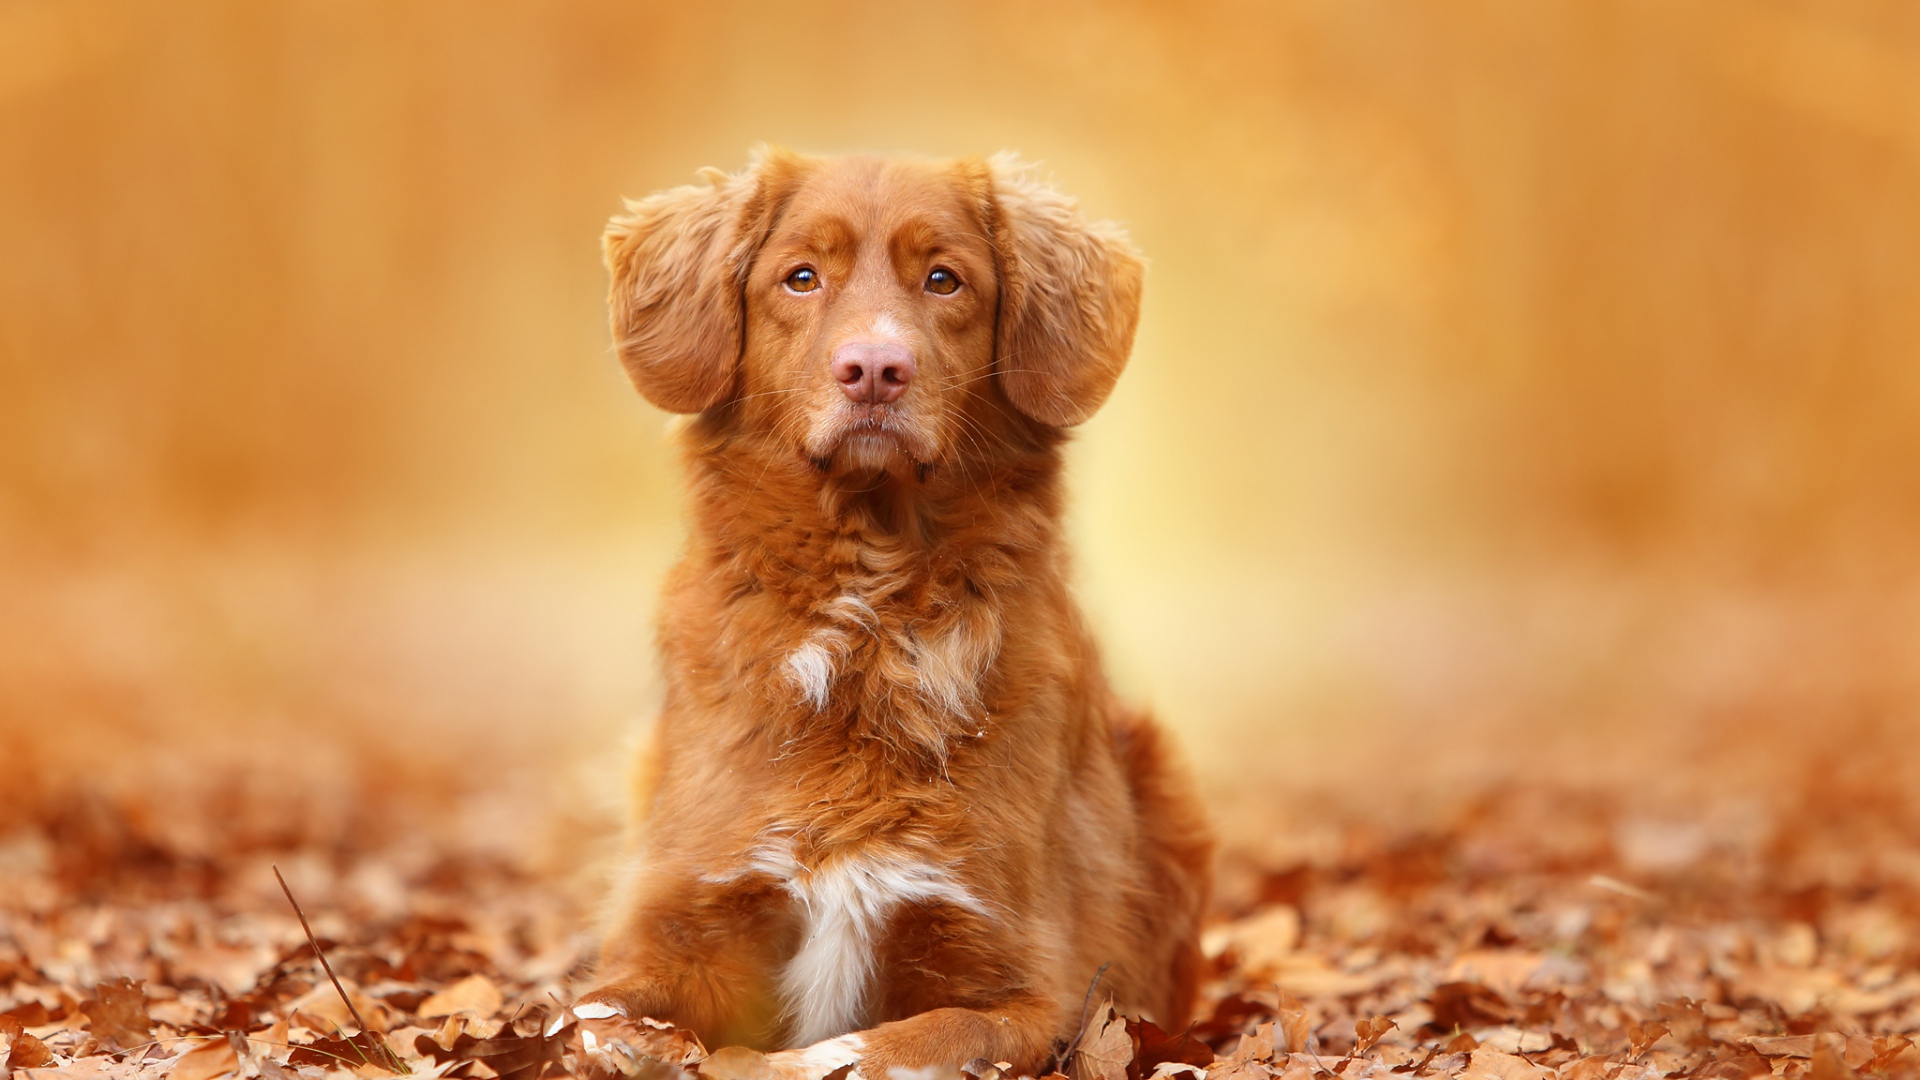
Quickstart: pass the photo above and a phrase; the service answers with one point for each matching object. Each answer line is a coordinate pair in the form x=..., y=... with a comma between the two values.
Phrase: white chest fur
x=945, y=659
x=845, y=906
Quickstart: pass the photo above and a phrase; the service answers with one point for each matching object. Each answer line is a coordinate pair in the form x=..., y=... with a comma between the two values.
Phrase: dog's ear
x=1069, y=298
x=679, y=261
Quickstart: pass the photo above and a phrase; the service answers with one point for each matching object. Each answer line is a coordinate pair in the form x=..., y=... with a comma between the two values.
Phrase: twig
x=1086, y=1007
x=1313, y=1048
x=392, y=1063
x=249, y=1038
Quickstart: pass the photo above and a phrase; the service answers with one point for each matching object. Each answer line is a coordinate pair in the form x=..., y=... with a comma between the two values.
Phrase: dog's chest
x=937, y=654
x=845, y=907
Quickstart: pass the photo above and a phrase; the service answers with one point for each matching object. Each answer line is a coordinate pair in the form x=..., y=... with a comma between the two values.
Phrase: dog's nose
x=873, y=373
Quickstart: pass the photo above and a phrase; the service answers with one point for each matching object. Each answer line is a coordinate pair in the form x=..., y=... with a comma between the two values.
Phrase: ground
x=1534, y=930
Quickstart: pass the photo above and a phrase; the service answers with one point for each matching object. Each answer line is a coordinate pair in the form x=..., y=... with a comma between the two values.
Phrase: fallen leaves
x=363, y=1051
x=509, y=1054
x=1495, y=950
x=1117, y=1047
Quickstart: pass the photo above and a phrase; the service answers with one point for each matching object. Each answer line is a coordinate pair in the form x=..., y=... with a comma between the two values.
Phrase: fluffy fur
x=895, y=805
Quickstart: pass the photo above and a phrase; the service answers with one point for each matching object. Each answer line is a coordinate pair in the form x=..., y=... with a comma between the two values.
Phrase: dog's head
x=875, y=314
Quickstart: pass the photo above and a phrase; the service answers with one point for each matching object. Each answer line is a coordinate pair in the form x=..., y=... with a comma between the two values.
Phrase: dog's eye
x=942, y=281
x=805, y=279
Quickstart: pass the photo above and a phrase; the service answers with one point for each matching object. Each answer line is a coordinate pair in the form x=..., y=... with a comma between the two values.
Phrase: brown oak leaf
x=1106, y=1050
x=25, y=1051
x=117, y=1015
x=1369, y=1030
x=1641, y=1037
x=1463, y=1005
x=1292, y=1025
x=1153, y=1047
x=207, y=1061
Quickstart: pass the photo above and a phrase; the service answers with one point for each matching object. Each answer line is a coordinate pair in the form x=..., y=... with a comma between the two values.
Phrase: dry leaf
x=1587, y=1068
x=1369, y=1030
x=27, y=1014
x=1292, y=1025
x=1154, y=1048
x=327, y=1013
x=1233, y=1015
x=1686, y=1020
x=206, y=1061
x=1799, y=1046
x=117, y=1015
x=233, y=969
x=1489, y=1064
x=1263, y=942
x=1889, y=1050
x=666, y=1043
x=1463, y=1005
x=1505, y=971
x=1641, y=1037
x=980, y=1069
x=23, y=1051
x=1828, y=1064
x=1313, y=977
x=1735, y=1066
x=475, y=995
x=1255, y=1045
x=1105, y=1051
x=1239, y=1070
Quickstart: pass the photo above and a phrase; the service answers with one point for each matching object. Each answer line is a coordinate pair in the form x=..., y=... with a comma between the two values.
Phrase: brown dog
x=898, y=820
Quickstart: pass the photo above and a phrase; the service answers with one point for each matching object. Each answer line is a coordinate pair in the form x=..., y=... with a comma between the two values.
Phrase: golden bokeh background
x=1519, y=385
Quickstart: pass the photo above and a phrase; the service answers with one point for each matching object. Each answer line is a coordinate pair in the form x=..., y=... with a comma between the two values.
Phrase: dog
x=896, y=819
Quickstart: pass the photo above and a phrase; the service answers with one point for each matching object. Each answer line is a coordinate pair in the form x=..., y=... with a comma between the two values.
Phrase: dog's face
x=870, y=314
x=873, y=315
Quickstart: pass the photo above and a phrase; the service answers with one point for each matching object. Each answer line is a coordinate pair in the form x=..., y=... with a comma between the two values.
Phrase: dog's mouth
x=876, y=438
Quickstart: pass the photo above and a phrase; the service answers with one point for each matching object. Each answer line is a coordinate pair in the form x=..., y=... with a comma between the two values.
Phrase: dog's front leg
x=700, y=954
x=953, y=981
x=1019, y=1031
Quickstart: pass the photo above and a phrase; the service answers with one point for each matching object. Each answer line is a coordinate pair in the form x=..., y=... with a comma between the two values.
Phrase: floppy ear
x=1069, y=298
x=679, y=260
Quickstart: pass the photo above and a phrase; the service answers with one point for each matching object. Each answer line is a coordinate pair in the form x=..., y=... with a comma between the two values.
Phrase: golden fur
x=893, y=794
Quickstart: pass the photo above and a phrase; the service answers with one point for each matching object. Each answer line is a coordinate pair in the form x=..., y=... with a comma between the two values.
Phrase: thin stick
x=1086, y=1007
x=328, y=968
x=249, y=1038
x=315, y=942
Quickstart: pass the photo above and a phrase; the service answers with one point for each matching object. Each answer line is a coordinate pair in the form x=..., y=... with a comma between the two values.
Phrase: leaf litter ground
x=1533, y=933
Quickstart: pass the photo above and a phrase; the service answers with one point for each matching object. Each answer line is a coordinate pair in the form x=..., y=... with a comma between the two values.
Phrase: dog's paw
x=598, y=1010
x=617, y=1001
x=817, y=1061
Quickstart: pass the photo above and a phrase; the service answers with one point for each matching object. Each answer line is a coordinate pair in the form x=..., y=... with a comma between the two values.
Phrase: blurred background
x=1523, y=391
